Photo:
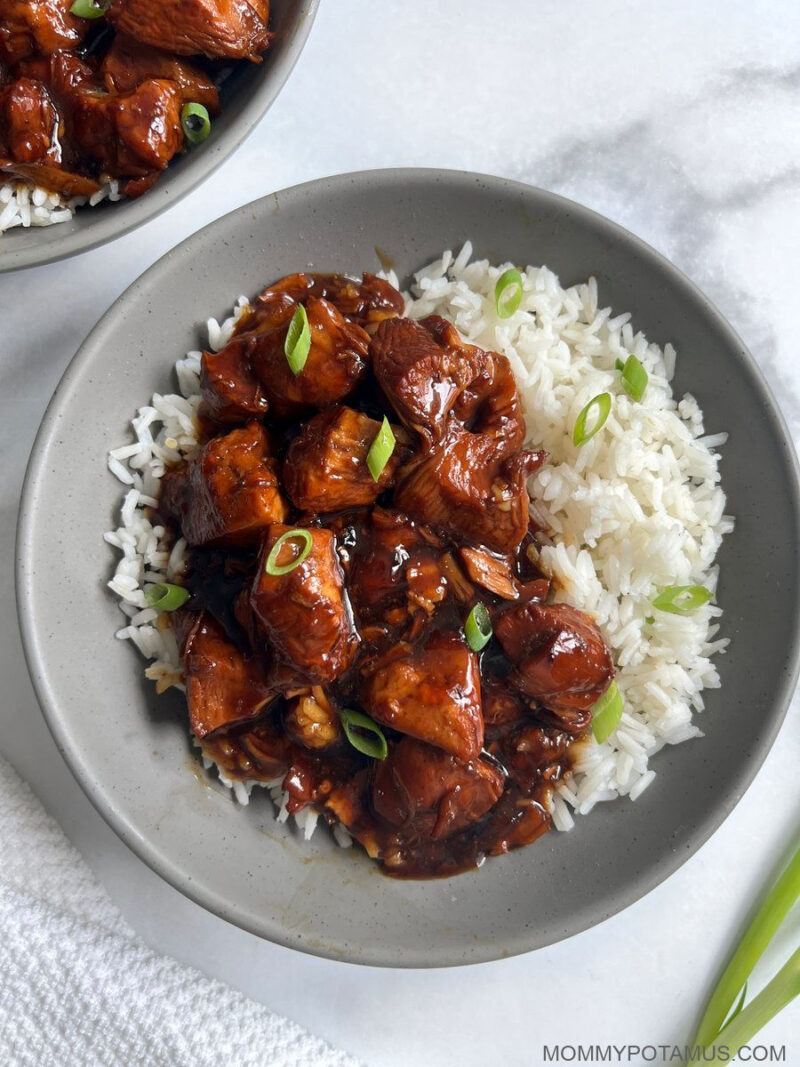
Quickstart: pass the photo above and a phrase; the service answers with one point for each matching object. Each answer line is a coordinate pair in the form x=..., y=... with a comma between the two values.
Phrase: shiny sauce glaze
x=84, y=99
x=373, y=617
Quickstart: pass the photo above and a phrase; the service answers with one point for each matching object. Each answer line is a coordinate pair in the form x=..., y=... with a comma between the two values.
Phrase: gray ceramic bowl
x=129, y=748
x=246, y=96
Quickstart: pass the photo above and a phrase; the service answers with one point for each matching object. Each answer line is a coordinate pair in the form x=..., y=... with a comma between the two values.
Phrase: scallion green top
x=87, y=9
x=606, y=713
x=381, y=449
x=302, y=538
x=599, y=408
x=166, y=597
x=298, y=340
x=478, y=627
x=508, y=293
x=634, y=377
x=682, y=599
x=363, y=733
x=195, y=122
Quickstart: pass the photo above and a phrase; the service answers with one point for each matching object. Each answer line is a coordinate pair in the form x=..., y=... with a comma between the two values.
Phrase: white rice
x=637, y=508
x=26, y=205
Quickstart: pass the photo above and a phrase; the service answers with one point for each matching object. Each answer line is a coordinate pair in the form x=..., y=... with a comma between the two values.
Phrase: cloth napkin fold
x=78, y=988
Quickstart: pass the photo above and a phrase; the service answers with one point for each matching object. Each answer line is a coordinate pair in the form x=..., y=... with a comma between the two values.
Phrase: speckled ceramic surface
x=246, y=95
x=129, y=748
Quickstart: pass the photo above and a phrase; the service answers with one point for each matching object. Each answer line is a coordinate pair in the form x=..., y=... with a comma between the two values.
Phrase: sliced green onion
x=298, y=535
x=195, y=122
x=580, y=435
x=363, y=733
x=634, y=377
x=772, y=999
x=682, y=599
x=606, y=713
x=745, y=1022
x=619, y=365
x=478, y=628
x=508, y=293
x=380, y=451
x=298, y=340
x=166, y=597
x=87, y=9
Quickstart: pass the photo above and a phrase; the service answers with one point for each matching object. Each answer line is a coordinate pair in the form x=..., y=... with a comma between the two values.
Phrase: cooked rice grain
x=26, y=205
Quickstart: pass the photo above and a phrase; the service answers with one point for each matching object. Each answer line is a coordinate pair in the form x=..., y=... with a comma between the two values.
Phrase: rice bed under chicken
x=637, y=508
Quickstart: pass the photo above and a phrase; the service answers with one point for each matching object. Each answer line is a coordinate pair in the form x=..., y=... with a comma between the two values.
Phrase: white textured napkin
x=79, y=989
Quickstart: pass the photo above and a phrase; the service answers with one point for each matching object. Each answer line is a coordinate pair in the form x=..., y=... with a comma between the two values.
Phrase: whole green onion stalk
x=746, y=1021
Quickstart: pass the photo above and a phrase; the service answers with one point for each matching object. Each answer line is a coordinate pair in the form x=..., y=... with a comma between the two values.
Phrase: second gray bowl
x=246, y=96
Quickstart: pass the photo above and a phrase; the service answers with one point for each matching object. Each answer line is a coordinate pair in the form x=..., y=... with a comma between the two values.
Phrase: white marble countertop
x=682, y=122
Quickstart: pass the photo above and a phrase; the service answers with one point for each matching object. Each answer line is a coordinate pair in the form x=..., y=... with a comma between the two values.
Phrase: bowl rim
x=111, y=224
x=46, y=694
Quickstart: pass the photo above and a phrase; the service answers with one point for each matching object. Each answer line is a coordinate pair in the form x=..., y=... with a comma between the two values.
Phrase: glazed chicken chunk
x=304, y=613
x=254, y=750
x=46, y=26
x=432, y=693
x=534, y=748
x=64, y=182
x=502, y=704
x=419, y=782
x=559, y=655
x=312, y=720
x=231, y=391
x=492, y=572
x=394, y=574
x=32, y=141
x=461, y=487
x=335, y=363
x=128, y=63
x=489, y=404
x=429, y=373
x=421, y=377
x=326, y=466
x=223, y=686
x=229, y=494
x=236, y=29
x=468, y=476
x=367, y=302
x=29, y=122
x=130, y=133
x=63, y=73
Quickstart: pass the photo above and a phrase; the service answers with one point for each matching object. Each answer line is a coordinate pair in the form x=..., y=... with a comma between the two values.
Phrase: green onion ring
x=271, y=566
x=363, y=733
x=298, y=340
x=195, y=121
x=166, y=597
x=682, y=599
x=87, y=9
x=380, y=451
x=505, y=301
x=580, y=435
x=634, y=378
x=478, y=628
x=606, y=713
